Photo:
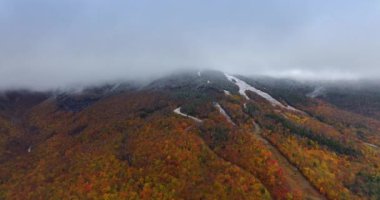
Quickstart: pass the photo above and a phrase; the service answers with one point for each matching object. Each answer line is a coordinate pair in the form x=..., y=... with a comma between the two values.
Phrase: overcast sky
x=46, y=44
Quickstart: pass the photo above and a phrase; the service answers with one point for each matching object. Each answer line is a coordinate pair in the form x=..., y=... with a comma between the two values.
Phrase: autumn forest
x=190, y=136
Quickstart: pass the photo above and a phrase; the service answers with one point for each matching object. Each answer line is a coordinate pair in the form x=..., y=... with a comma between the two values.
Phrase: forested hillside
x=193, y=135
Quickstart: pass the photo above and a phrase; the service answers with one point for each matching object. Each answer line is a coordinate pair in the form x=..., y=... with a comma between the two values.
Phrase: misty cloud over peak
x=48, y=44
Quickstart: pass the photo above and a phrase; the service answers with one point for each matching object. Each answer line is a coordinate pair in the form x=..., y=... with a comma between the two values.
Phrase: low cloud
x=48, y=44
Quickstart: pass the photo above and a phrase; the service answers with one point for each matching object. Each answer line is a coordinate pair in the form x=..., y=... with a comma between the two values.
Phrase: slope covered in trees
x=129, y=144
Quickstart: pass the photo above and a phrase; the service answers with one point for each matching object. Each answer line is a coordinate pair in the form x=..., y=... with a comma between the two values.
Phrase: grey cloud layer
x=47, y=44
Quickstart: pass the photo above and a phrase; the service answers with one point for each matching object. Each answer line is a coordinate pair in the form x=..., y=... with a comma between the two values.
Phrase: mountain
x=193, y=135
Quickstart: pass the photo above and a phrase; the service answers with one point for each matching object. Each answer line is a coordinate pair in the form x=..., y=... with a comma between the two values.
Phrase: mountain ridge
x=126, y=141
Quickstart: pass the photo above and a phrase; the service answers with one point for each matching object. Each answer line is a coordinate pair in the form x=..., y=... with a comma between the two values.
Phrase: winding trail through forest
x=293, y=176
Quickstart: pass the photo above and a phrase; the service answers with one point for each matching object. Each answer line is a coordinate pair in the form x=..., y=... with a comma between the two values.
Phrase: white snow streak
x=178, y=111
x=223, y=112
x=227, y=92
x=115, y=87
x=243, y=87
x=371, y=145
x=317, y=92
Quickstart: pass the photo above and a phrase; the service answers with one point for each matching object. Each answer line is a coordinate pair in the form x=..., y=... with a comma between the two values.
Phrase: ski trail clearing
x=293, y=176
x=178, y=111
x=243, y=87
x=223, y=112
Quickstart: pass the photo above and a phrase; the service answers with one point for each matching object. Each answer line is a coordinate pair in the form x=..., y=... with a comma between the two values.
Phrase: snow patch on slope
x=243, y=87
x=371, y=145
x=227, y=92
x=319, y=91
x=178, y=111
x=115, y=87
x=223, y=112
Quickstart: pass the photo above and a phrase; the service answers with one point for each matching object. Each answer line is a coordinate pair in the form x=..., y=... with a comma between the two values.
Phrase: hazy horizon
x=47, y=45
